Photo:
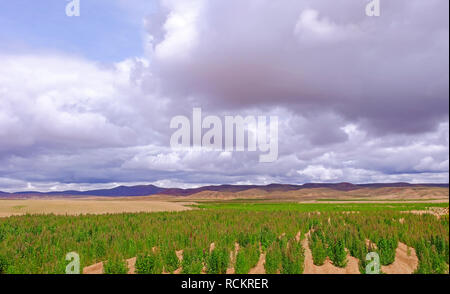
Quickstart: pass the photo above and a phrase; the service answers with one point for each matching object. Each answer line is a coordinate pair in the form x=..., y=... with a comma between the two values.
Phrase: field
x=233, y=237
x=85, y=206
x=321, y=207
x=417, y=193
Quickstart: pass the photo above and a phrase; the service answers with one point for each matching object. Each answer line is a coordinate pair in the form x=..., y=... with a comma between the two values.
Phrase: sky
x=86, y=101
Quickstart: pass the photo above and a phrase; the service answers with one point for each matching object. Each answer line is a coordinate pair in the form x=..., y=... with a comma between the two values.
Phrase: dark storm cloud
x=388, y=73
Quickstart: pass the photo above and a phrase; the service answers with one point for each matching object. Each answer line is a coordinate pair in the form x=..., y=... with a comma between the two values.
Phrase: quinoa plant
x=149, y=264
x=337, y=253
x=217, y=261
x=115, y=266
x=293, y=258
x=192, y=261
x=246, y=259
x=318, y=248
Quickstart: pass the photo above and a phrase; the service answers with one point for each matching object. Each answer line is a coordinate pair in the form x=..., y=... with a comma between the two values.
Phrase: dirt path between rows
x=328, y=267
x=95, y=269
x=233, y=256
x=131, y=265
x=406, y=261
x=179, y=254
x=259, y=268
x=436, y=211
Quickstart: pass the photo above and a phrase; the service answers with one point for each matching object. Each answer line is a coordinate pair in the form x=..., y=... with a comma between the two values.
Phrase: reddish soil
x=436, y=211
x=328, y=267
x=131, y=264
x=179, y=254
x=94, y=269
x=406, y=261
x=233, y=256
x=259, y=268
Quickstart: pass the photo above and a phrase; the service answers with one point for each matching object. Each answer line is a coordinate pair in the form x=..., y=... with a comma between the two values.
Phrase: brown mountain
x=275, y=189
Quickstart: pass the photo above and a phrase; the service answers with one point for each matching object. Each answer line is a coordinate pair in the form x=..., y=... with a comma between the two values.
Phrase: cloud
x=358, y=99
x=387, y=73
x=311, y=29
x=320, y=173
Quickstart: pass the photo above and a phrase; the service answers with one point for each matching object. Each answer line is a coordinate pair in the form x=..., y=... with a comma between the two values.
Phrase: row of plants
x=39, y=243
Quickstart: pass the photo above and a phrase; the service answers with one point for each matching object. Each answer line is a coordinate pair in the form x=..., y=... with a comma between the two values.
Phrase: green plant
x=2, y=234
x=357, y=248
x=3, y=265
x=386, y=249
x=274, y=257
x=149, y=264
x=246, y=259
x=217, y=261
x=192, y=261
x=267, y=237
x=318, y=248
x=37, y=244
x=115, y=266
x=338, y=255
x=170, y=260
x=293, y=258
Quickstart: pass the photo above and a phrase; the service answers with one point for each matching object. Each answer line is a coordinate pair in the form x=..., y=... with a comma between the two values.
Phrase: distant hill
x=146, y=190
x=141, y=190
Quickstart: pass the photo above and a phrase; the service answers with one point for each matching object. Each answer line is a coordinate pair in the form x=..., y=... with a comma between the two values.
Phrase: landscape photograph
x=218, y=145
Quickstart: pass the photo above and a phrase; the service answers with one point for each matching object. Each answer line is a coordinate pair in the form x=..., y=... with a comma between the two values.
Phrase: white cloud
x=351, y=102
x=181, y=29
x=320, y=173
x=311, y=28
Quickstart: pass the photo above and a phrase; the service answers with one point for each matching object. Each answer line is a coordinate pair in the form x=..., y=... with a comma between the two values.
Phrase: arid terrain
x=172, y=201
x=61, y=206
x=405, y=262
x=311, y=230
x=370, y=194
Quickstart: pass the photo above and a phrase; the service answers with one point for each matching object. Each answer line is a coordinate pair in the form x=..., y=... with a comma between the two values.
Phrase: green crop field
x=39, y=243
x=322, y=207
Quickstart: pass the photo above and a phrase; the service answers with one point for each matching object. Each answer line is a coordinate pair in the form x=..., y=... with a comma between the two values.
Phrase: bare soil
x=233, y=255
x=436, y=211
x=179, y=254
x=406, y=261
x=328, y=267
x=94, y=269
x=85, y=206
x=259, y=268
x=312, y=194
x=131, y=264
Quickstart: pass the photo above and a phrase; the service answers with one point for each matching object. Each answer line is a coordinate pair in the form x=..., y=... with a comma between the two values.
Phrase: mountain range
x=147, y=190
